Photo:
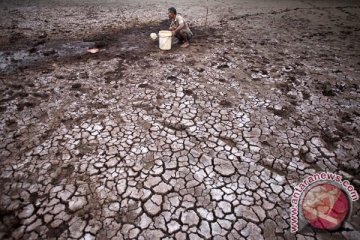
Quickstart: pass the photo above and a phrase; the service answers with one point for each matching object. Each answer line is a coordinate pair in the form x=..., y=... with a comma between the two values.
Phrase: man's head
x=172, y=13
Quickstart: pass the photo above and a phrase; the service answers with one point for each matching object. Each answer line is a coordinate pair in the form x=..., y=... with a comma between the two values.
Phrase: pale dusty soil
x=199, y=143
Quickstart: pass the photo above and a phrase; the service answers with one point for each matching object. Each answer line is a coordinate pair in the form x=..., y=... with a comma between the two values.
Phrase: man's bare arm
x=181, y=26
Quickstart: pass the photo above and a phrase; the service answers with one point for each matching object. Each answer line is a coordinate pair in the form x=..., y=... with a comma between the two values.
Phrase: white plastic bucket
x=165, y=40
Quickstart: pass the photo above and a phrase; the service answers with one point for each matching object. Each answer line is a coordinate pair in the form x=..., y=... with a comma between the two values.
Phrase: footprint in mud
x=284, y=87
x=33, y=197
x=39, y=42
x=10, y=222
x=225, y=103
x=146, y=85
x=32, y=50
x=99, y=105
x=189, y=92
x=76, y=86
x=284, y=112
x=222, y=66
x=49, y=52
x=56, y=232
x=84, y=75
x=327, y=90
x=144, y=64
x=344, y=130
x=21, y=94
x=15, y=87
x=41, y=95
x=330, y=138
x=63, y=173
x=72, y=77
x=346, y=117
x=16, y=37
x=173, y=78
x=101, y=44
x=306, y=95
x=228, y=141
x=200, y=69
x=11, y=124
x=3, y=108
x=21, y=106
x=145, y=106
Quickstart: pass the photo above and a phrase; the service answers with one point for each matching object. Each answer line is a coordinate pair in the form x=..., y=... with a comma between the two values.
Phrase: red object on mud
x=93, y=50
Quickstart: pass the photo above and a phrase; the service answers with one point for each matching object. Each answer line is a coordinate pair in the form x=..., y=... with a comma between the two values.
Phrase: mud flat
x=199, y=143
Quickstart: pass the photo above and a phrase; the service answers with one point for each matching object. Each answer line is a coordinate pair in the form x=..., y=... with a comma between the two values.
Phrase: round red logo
x=325, y=206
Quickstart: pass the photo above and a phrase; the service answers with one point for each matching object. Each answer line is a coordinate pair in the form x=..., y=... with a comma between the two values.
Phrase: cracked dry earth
x=199, y=143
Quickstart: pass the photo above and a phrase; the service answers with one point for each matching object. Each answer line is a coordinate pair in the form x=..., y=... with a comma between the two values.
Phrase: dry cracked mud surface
x=200, y=143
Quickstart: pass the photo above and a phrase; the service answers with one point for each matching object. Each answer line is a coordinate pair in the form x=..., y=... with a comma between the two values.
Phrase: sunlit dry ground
x=199, y=143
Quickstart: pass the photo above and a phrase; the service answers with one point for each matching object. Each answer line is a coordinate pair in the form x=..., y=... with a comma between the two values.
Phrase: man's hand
x=173, y=33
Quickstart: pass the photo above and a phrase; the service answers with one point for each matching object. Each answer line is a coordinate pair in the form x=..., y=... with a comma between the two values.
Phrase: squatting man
x=179, y=27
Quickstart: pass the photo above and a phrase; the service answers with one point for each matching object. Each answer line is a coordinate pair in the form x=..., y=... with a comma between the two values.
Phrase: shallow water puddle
x=10, y=60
